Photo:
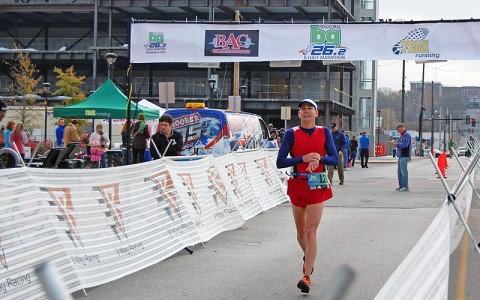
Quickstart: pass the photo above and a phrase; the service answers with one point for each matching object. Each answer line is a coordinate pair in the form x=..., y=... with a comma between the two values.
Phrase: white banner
x=28, y=237
x=97, y=225
x=237, y=186
x=116, y=221
x=204, y=196
x=167, y=42
x=424, y=272
x=262, y=177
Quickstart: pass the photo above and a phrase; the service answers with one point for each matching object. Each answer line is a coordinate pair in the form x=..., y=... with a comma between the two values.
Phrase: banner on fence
x=28, y=237
x=262, y=176
x=98, y=225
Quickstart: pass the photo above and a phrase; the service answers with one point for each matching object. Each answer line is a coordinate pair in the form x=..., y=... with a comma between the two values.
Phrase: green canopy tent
x=108, y=102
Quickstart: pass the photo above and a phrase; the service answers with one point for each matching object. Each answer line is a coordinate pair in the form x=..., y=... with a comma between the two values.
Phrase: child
x=96, y=153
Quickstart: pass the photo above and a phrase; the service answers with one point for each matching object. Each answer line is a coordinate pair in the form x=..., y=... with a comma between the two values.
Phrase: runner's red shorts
x=301, y=195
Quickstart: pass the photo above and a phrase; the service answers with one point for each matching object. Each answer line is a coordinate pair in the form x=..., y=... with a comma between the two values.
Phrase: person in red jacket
x=310, y=147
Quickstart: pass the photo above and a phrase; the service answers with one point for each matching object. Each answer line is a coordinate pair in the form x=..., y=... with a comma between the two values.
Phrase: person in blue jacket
x=404, y=146
x=311, y=148
x=59, y=132
x=364, y=149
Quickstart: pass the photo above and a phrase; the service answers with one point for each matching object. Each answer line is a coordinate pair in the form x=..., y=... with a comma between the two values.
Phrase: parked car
x=202, y=128
x=438, y=152
x=461, y=151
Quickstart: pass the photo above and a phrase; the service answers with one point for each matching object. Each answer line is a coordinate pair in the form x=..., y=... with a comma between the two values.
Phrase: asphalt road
x=367, y=226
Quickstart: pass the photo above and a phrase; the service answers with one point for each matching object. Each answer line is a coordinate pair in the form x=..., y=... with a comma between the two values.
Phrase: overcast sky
x=451, y=73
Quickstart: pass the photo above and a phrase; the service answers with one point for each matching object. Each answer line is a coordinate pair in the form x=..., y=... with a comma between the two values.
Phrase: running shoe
x=304, y=284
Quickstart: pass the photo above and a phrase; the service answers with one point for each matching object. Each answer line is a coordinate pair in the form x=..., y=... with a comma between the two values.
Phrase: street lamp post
x=111, y=59
x=211, y=86
x=378, y=133
x=46, y=90
x=420, y=118
x=432, y=137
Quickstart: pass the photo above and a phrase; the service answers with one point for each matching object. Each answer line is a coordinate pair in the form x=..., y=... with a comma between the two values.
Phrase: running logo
x=233, y=180
x=415, y=43
x=62, y=199
x=114, y=215
x=217, y=185
x=188, y=182
x=164, y=184
x=3, y=259
x=262, y=164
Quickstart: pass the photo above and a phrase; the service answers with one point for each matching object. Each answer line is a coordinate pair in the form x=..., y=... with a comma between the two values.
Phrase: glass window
x=365, y=109
x=366, y=67
x=367, y=4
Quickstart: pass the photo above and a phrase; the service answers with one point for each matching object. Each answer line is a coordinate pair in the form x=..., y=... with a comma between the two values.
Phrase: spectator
x=3, y=110
x=104, y=142
x=166, y=137
x=345, y=151
x=141, y=133
x=353, y=149
x=70, y=134
x=19, y=139
x=364, y=149
x=339, y=141
x=8, y=132
x=279, y=141
x=123, y=132
x=451, y=144
x=96, y=153
x=59, y=132
x=403, y=145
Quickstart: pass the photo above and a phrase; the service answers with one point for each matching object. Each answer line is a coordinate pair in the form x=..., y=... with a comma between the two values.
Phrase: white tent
x=146, y=103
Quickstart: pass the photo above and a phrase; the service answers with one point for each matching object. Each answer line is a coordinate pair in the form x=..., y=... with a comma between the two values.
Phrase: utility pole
x=236, y=65
x=420, y=125
x=402, y=116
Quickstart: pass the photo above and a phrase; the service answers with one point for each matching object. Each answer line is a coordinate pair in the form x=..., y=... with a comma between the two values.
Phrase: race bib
x=318, y=181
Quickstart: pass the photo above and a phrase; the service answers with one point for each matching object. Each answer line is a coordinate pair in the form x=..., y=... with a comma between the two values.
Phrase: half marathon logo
x=156, y=43
x=325, y=43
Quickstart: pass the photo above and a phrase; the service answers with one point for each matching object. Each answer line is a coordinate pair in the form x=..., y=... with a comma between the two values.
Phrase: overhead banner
x=160, y=42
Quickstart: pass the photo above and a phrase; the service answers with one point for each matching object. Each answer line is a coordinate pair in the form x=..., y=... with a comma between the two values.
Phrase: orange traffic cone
x=442, y=163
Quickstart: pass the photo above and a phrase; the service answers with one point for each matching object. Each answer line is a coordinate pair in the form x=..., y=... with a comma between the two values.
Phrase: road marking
x=462, y=267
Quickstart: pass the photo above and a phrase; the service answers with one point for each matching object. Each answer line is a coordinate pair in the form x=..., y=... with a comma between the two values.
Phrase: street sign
x=285, y=113
x=166, y=92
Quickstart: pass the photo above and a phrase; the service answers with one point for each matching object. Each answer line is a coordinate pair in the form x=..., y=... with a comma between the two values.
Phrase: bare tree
x=24, y=87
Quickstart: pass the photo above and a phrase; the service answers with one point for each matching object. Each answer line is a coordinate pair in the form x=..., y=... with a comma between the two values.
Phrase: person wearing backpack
x=141, y=133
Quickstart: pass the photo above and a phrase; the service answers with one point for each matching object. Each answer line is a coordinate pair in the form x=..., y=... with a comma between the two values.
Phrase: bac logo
x=231, y=43
x=62, y=199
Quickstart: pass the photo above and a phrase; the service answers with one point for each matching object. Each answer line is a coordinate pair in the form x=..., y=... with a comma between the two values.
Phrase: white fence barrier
x=98, y=225
x=423, y=274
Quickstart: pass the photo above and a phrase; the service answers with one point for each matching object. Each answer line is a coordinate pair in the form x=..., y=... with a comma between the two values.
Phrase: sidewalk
x=367, y=225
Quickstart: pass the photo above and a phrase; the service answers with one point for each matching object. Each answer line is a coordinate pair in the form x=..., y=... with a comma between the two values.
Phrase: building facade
x=81, y=33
